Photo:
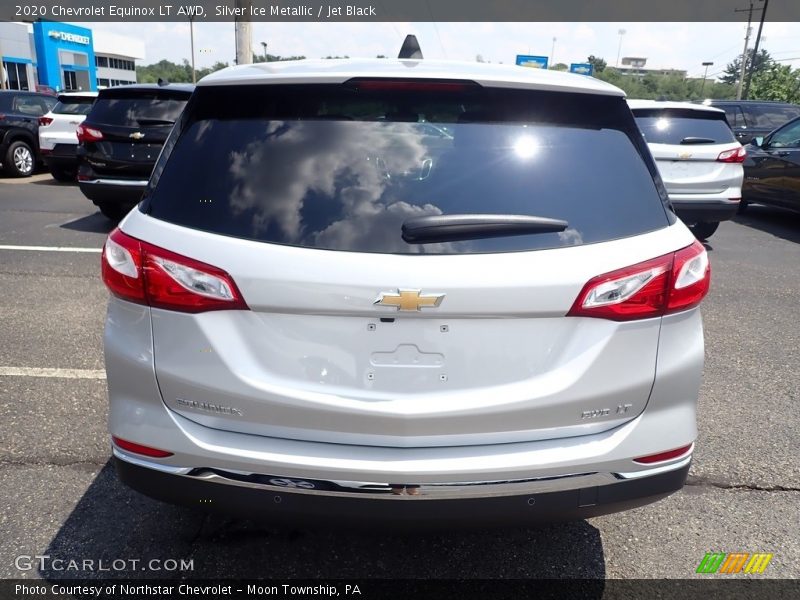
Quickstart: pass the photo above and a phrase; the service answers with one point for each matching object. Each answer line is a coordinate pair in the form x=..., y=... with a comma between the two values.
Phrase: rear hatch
x=687, y=145
x=355, y=335
x=128, y=127
x=58, y=126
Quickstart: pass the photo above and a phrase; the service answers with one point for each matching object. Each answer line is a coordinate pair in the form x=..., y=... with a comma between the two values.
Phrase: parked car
x=772, y=168
x=698, y=157
x=19, y=130
x=299, y=328
x=58, y=139
x=121, y=139
x=752, y=118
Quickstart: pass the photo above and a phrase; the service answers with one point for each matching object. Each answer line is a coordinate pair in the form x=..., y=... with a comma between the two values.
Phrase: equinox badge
x=409, y=300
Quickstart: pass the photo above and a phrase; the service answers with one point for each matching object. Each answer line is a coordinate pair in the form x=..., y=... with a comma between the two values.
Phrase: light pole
x=191, y=41
x=705, y=75
x=264, y=45
x=621, y=32
x=553, y=53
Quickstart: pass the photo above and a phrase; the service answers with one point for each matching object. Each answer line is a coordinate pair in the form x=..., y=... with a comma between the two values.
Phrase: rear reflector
x=139, y=448
x=662, y=456
x=736, y=155
x=45, y=121
x=653, y=288
x=146, y=274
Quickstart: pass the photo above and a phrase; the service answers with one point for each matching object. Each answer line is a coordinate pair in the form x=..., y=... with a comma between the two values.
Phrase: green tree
x=776, y=82
x=559, y=67
x=598, y=63
x=734, y=69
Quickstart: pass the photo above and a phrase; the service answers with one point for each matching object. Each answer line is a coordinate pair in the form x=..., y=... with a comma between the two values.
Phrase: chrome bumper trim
x=122, y=182
x=399, y=491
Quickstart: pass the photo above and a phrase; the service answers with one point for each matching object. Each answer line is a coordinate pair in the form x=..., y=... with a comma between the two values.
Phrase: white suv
x=323, y=309
x=58, y=140
x=699, y=159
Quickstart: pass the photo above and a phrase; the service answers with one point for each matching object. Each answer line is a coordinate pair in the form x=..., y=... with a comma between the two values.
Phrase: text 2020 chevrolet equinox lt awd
x=323, y=306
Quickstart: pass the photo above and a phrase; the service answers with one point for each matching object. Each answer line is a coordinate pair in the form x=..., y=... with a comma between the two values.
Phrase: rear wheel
x=743, y=204
x=60, y=174
x=19, y=160
x=703, y=230
x=115, y=212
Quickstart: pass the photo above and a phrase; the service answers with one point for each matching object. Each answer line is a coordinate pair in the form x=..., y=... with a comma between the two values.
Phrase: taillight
x=45, y=121
x=146, y=274
x=667, y=284
x=662, y=456
x=88, y=134
x=139, y=448
x=736, y=155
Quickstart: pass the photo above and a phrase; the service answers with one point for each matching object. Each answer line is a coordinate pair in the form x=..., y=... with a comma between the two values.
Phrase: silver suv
x=404, y=290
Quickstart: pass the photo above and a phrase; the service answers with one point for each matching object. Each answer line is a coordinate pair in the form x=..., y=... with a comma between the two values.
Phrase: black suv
x=752, y=118
x=19, y=129
x=120, y=140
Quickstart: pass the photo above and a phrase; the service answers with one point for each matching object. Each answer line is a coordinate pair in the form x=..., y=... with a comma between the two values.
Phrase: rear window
x=342, y=167
x=139, y=110
x=74, y=106
x=683, y=126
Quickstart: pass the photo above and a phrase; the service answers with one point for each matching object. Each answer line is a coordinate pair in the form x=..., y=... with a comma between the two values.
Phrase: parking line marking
x=58, y=373
x=50, y=248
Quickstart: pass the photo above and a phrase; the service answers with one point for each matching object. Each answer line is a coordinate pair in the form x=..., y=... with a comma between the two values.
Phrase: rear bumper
x=125, y=192
x=61, y=156
x=289, y=500
x=704, y=211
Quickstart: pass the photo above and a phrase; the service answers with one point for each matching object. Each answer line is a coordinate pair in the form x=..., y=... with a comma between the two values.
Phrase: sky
x=665, y=45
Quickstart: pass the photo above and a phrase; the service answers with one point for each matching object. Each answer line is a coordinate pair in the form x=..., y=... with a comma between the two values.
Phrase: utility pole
x=264, y=44
x=755, y=50
x=740, y=85
x=705, y=76
x=553, y=53
x=244, y=38
x=191, y=41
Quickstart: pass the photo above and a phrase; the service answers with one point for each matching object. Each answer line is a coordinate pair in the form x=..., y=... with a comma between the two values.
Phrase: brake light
x=736, y=155
x=394, y=85
x=88, y=134
x=146, y=274
x=662, y=456
x=653, y=288
x=45, y=121
x=139, y=448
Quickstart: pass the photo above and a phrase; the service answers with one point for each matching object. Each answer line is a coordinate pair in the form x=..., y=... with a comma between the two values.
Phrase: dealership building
x=66, y=57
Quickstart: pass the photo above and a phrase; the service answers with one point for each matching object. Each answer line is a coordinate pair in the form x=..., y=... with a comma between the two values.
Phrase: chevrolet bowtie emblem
x=136, y=136
x=409, y=300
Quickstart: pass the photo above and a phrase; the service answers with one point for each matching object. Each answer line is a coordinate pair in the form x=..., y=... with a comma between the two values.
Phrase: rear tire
x=703, y=231
x=63, y=174
x=19, y=159
x=743, y=204
x=112, y=211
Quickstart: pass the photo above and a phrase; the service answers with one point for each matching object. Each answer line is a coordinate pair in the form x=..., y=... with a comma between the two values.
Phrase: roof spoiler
x=410, y=48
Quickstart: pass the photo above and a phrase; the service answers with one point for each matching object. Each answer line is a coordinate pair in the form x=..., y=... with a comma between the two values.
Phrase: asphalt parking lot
x=60, y=496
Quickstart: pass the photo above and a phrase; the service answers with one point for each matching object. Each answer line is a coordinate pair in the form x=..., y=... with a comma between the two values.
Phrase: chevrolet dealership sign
x=70, y=37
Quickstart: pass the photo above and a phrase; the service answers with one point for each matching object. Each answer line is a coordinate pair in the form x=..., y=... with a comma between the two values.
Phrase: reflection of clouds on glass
x=339, y=171
x=571, y=237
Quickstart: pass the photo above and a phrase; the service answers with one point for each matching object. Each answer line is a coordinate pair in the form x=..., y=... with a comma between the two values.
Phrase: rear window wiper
x=146, y=121
x=452, y=228
x=698, y=140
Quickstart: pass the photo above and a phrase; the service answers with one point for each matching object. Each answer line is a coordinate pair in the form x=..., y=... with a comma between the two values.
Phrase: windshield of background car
x=74, y=106
x=341, y=167
x=137, y=110
x=675, y=125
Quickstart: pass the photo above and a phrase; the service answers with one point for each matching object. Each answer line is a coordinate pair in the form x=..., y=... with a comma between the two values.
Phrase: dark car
x=752, y=118
x=19, y=130
x=120, y=140
x=772, y=168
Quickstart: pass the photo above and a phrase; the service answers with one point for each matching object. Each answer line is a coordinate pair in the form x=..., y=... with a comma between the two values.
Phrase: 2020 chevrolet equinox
x=404, y=290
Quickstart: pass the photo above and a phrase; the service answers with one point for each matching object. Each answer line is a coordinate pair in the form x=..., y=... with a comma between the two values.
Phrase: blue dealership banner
x=582, y=68
x=534, y=62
